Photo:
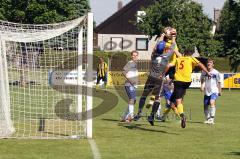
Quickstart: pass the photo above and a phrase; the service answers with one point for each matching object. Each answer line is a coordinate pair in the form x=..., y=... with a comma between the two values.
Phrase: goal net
x=46, y=79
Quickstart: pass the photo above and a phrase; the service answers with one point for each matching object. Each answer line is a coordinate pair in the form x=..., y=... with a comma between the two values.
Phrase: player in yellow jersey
x=102, y=72
x=182, y=79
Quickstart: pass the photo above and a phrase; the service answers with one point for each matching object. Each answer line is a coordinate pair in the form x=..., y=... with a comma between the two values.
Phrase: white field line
x=96, y=153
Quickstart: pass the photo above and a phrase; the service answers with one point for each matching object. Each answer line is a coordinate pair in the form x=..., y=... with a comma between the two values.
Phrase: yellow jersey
x=183, y=68
x=170, y=46
x=173, y=58
x=102, y=69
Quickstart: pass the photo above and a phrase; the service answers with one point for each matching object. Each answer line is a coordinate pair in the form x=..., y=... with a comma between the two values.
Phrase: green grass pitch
x=140, y=140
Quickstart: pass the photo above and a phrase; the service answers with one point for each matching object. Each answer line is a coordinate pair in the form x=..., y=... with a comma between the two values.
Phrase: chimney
x=120, y=4
x=217, y=14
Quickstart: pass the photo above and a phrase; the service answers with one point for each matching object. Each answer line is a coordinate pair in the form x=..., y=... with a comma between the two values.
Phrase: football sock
x=155, y=108
x=175, y=110
x=97, y=86
x=131, y=109
x=181, y=115
x=105, y=85
x=212, y=111
x=206, y=112
x=125, y=113
x=180, y=108
x=141, y=104
x=166, y=111
x=159, y=110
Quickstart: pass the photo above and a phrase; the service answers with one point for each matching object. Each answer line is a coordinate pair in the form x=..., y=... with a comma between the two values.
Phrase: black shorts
x=152, y=85
x=103, y=78
x=179, y=90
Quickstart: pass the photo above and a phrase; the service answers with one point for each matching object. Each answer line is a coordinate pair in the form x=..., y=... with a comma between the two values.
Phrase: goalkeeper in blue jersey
x=165, y=50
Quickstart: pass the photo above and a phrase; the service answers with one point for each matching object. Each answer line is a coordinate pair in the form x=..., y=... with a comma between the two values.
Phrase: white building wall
x=129, y=44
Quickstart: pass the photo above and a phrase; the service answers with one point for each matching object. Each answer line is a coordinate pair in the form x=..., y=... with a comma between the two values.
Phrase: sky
x=103, y=9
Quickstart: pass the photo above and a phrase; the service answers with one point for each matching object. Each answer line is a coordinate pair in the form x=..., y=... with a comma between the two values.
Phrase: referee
x=102, y=72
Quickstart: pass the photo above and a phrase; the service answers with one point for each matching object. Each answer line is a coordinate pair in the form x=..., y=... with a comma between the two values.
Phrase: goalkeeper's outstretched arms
x=161, y=38
x=173, y=33
x=178, y=54
x=164, y=37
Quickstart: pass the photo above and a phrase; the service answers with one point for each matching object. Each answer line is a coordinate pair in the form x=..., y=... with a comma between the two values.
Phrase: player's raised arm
x=106, y=67
x=176, y=51
x=219, y=85
x=161, y=38
x=125, y=71
x=202, y=81
x=169, y=65
x=204, y=68
x=219, y=89
x=172, y=34
x=166, y=69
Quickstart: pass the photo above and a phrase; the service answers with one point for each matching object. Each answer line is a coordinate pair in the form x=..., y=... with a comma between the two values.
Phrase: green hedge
x=117, y=60
x=223, y=65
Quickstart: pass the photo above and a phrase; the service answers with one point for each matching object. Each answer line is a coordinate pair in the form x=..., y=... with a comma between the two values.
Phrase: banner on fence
x=232, y=80
x=70, y=77
x=196, y=80
x=116, y=78
x=228, y=80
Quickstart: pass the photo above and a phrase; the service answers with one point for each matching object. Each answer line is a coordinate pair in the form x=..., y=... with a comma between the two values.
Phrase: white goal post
x=36, y=64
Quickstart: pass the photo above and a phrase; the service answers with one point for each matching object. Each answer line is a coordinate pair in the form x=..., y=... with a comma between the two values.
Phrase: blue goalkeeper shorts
x=131, y=92
x=167, y=95
x=207, y=99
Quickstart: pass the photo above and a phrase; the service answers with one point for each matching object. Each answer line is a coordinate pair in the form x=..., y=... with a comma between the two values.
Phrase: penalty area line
x=95, y=151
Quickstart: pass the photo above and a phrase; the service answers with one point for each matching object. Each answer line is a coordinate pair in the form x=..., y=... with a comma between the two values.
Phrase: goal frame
x=89, y=80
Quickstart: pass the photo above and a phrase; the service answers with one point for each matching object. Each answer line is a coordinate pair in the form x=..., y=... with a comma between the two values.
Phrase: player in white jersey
x=130, y=72
x=211, y=86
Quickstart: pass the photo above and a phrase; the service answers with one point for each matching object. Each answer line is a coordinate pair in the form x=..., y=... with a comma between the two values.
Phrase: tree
x=229, y=32
x=3, y=9
x=193, y=27
x=42, y=11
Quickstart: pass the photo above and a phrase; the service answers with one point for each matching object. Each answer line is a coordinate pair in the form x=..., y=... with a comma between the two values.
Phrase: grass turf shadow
x=138, y=127
x=233, y=153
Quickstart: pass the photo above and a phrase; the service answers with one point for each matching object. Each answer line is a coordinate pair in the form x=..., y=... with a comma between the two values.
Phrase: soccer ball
x=74, y=137
x=150, y=103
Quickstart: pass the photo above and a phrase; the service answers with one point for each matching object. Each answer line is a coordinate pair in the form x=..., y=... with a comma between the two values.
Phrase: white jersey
x=211, y=83
x=131, y=73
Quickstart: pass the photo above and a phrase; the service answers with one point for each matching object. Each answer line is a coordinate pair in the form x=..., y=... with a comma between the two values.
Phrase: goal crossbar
x=33, y=59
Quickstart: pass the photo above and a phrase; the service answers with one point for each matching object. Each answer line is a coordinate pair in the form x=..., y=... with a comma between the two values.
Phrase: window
x=117, y=44
x=141, y=44
x=140, y=14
